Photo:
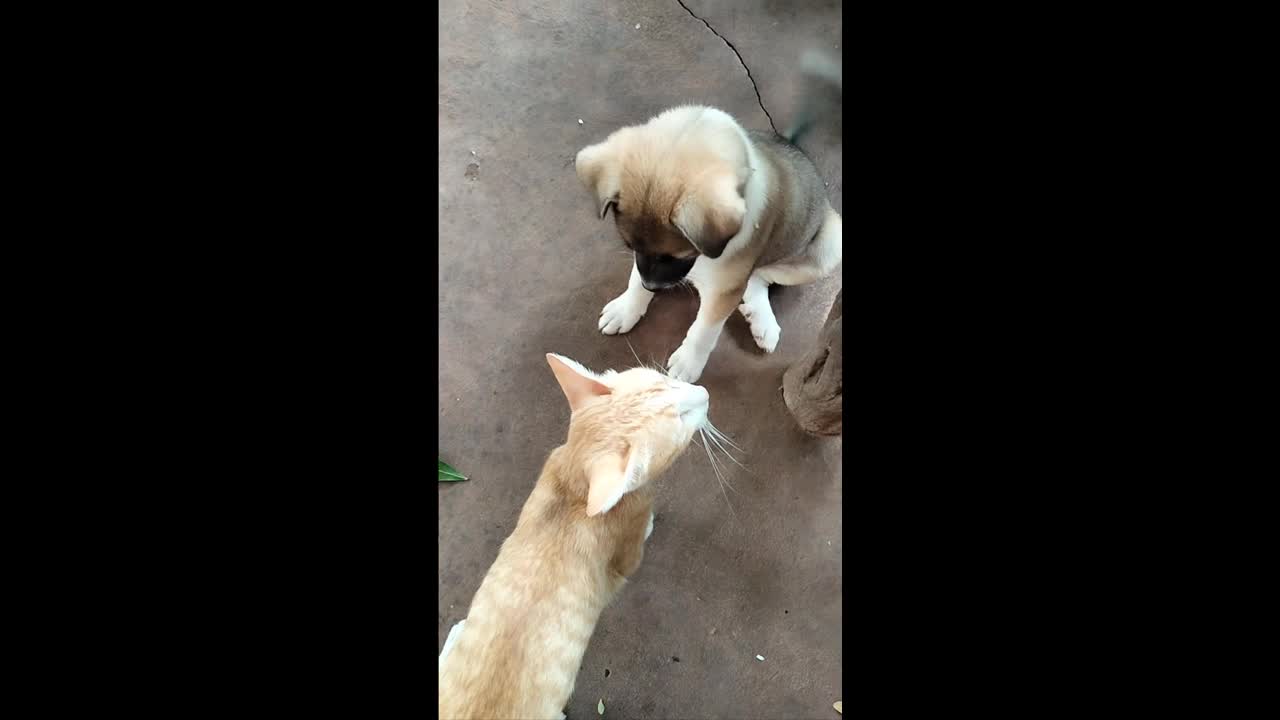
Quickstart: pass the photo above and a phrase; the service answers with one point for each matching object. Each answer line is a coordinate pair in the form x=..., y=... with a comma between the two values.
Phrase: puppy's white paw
x=620, y=315
x=764, y=326
x=686, y=363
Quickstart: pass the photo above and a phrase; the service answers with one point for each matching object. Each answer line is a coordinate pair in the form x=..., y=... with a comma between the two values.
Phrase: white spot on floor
x=760, y=658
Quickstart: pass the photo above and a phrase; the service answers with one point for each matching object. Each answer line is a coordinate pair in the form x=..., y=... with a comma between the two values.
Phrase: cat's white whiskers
x=726, y=452
x=724, y=476
x=724, y=494
x=727, y=440
x=633, y=354
x=715, y=468
x=716, y=431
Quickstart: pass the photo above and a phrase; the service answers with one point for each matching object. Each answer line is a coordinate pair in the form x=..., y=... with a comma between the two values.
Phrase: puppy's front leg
x=690, y=358
x=623, y=312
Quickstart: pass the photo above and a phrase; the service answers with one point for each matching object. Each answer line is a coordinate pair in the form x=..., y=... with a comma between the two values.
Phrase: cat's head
x=627, y=427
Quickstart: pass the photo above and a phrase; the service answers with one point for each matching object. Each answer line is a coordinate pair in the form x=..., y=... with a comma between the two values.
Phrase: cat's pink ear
x=578, y=383
x=609, y=478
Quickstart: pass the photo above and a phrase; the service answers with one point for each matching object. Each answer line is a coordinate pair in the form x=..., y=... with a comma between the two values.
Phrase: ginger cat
x=580, y=534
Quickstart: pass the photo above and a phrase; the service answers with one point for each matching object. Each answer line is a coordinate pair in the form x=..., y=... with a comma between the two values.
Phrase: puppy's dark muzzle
x=659, y=272
x=656, y=286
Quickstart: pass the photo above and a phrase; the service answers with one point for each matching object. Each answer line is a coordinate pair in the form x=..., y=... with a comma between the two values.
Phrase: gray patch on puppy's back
x=797, y=201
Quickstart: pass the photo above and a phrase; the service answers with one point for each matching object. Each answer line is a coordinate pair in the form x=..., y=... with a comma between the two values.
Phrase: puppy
x=696, y=197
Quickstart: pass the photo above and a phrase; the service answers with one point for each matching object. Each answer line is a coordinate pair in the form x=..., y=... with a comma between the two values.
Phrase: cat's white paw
x=454, y=633
x=764, y=326
x=649, y=529
x=686, y=363
x=620, y=315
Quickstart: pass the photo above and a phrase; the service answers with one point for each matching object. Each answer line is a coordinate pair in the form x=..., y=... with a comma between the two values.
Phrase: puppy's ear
x=600, y=170
x=711, y=212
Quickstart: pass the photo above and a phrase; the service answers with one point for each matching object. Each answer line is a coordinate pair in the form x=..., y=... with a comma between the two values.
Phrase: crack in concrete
x=759, y=100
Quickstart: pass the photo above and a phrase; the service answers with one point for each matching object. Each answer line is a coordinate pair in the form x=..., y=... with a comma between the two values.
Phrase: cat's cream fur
x=581, y=533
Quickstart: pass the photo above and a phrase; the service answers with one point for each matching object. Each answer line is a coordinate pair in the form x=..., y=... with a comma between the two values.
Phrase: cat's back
x=492, y=677
x=518, y=652
x=496, y=691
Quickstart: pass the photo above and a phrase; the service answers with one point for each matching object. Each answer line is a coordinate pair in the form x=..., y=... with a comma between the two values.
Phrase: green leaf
x=448, y=474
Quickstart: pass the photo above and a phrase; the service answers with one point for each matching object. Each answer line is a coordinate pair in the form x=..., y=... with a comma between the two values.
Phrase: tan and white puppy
x=698, y=198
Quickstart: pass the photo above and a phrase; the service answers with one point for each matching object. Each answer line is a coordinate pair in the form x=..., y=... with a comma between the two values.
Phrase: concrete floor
x=525, y=267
